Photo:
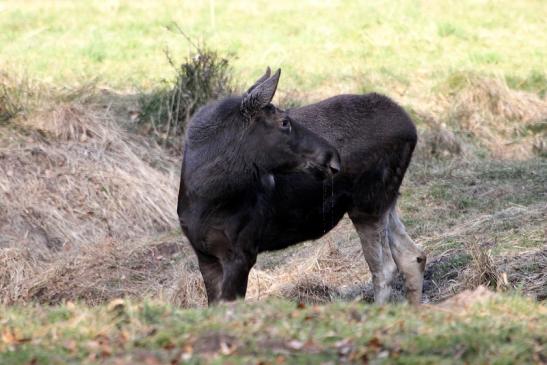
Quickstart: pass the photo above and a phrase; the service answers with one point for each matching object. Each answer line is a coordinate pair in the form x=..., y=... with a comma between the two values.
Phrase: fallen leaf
x=70, y=345
x=344, y=346
x=116, y=305
x=9, y=337
x=227, y=348
x=295, y=345
x=374, y=343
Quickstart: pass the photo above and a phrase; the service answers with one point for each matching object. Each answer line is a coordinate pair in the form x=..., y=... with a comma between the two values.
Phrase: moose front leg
x=236, y=276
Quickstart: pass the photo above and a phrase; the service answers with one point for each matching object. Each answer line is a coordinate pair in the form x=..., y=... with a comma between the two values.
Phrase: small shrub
x=202, y=77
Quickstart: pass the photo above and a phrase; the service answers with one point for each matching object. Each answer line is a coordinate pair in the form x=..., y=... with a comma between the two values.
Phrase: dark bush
x=203, y=76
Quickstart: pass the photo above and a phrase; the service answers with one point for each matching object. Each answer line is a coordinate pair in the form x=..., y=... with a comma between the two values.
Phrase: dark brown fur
x=241, y=194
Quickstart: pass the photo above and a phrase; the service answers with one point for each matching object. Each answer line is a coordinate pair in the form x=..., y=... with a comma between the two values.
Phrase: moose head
x=232, y=141
x=278, y=142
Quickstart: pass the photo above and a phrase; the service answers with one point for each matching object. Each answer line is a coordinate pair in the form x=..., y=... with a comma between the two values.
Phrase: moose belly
x=303, y=208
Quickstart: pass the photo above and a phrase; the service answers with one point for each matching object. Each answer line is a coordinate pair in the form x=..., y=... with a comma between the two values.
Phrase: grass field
x=403, y=46
x=88, y=200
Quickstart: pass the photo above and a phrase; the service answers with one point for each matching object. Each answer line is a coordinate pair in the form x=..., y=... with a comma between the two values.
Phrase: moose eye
x=285, y=124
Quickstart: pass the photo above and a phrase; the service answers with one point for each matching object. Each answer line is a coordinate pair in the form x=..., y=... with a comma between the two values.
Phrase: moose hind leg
x=410, y=259
x=377, y=252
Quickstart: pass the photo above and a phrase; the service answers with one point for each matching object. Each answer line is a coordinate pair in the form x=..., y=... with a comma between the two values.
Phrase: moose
x=254, y=179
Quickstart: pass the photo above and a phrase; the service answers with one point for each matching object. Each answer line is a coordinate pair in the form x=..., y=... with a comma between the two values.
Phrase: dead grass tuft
x=311, y=290
x=8, y=106
x=16, y=95
x=504, y=120
x=482, y=269
x=16, y=266
x=75, y=122
x=456, y=271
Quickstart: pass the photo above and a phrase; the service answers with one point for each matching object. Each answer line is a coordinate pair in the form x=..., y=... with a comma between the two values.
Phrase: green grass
x=503, y=330
x=403, y=46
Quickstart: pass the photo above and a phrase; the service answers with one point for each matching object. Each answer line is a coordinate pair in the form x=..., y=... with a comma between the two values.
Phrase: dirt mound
x=70, y=176
x=468, y=298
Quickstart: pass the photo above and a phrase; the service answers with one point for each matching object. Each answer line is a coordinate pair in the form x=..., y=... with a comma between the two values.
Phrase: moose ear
x=261, y=95
x=261, y=79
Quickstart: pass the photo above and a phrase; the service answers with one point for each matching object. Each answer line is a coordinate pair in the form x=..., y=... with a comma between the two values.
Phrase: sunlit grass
x=326, y=46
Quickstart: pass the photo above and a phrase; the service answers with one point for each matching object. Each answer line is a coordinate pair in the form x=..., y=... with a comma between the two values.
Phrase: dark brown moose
x=254, y=179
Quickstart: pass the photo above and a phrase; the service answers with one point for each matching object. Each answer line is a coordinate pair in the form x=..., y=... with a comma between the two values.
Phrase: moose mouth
x=321, y=172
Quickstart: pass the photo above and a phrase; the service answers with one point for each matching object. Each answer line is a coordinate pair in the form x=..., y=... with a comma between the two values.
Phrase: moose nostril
x=334, y=165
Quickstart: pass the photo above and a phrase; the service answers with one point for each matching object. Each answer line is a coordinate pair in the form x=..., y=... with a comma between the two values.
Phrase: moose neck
x=218, y=163
x=223, y=176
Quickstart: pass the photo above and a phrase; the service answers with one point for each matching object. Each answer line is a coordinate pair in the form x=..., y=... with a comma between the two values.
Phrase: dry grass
x=75, y=178
x=317, y=272
x=436, y=140
x=483, y=270
x=487, y=224
x=77, y=192
x=470, y=112
x=527, y=271
x=98, y=273
x=17, y=266
x=502, y=119
x=83, y=204
x=456, y=271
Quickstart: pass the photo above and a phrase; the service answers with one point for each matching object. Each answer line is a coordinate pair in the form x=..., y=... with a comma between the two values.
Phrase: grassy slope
x=502, y=330
x=404, y=46
x=407, y=49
